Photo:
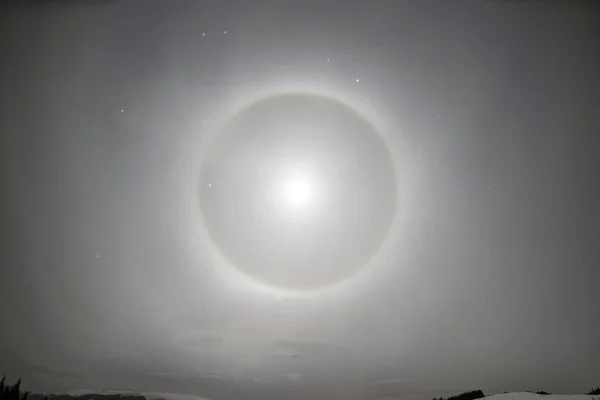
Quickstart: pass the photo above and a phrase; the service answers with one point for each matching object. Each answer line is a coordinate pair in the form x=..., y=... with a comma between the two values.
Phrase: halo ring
x=235, y=274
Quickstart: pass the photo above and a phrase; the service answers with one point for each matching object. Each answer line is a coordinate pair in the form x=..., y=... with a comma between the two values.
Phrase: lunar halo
x=298, y=192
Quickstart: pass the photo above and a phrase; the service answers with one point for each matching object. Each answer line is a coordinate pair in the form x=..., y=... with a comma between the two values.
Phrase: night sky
x=467, y=260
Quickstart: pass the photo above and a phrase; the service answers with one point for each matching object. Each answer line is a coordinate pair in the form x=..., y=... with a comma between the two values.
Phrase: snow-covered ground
x=123, y=395
x=126, y=395
x=534, y=396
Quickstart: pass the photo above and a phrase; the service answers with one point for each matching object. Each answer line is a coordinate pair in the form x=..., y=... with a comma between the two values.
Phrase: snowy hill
x=503, y=396
x=86, y=394
x=534, y=396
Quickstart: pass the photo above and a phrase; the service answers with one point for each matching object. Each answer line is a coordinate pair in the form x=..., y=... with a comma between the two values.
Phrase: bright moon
x=297, y=191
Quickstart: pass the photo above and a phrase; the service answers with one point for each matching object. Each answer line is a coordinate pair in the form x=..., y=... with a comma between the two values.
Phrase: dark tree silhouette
x=594, y=391
x=12, y=392
x=472, y=395
x=540, y=392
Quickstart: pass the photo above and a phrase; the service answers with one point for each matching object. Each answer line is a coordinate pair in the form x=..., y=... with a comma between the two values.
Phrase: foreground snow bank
x=534, y=396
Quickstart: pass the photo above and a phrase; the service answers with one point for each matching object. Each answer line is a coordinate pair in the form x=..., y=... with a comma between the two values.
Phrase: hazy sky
x=491, y=112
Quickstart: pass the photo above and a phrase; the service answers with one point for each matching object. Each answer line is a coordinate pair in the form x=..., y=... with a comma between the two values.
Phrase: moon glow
x=297, y=191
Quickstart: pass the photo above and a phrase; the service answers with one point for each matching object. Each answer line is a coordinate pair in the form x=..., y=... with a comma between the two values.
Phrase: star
x=357, y=80
x=122, y=110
